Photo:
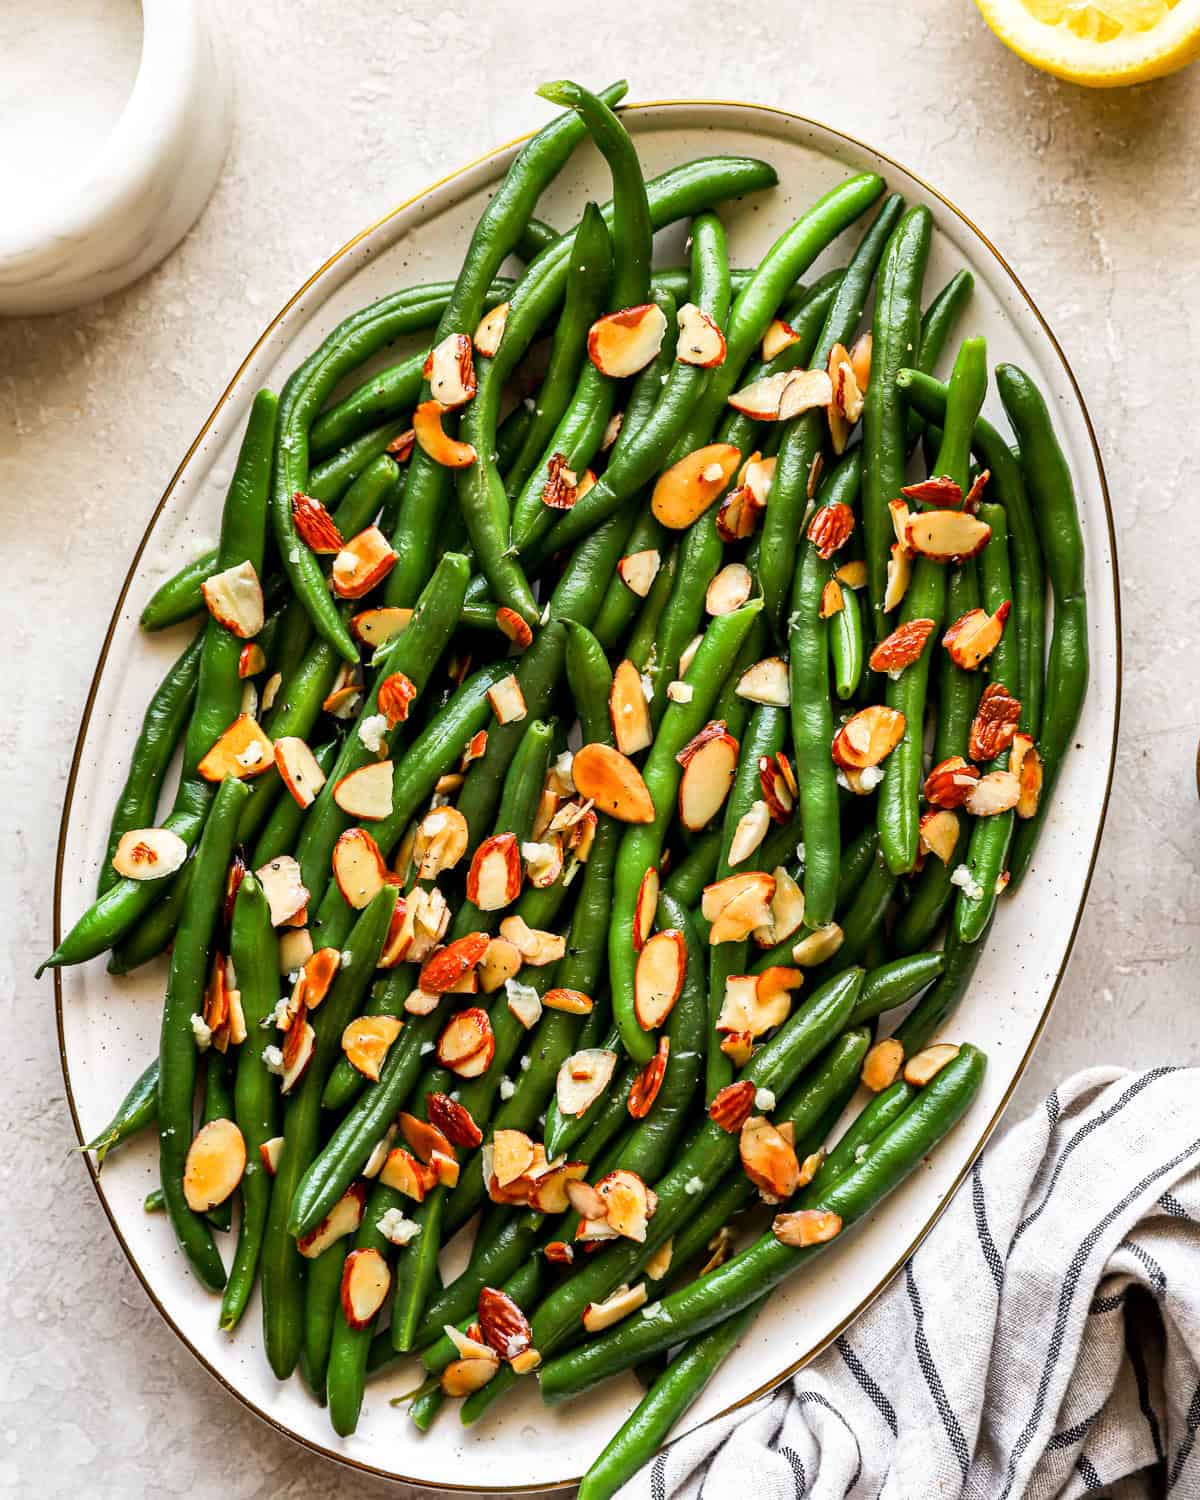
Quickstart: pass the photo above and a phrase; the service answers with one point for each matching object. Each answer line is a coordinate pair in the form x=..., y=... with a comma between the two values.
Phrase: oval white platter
x=108, y=1026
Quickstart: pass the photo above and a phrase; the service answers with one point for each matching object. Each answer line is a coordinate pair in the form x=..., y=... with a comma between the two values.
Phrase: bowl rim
x=794, y=118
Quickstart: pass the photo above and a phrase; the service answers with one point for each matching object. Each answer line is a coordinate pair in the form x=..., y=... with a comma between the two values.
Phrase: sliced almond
x=345, y=697
x=751, y=829
x=820, y=944
x=658, y=977
x=760, y=399
x=439, y=843
x=707, y=777
x=806, y=1226
x=573, y=1002
x=444, y=970
x=512, y=1155
x=903, y=647
x=639, y=570
x=598, y=1316
x=366, y=1041
x=235, y=599
x=298, y=1046
x=768, y=1159
x=468, y=1347
x=315, y=526
x=395, y=697
x=997, y=792
x=786, y=913
x=149, y=854
x=627, y=1203
x=881, y=1066
x=342, y=1219
x=868, y=737
x=622, y=343
x=543, y=860
x=750, y=1011
x=736, y=905
x=899, y=576
x=583, y=1077
x=243, y=751
x=363, y=562
x=701, y=342
x=453, y=1120
x=524, y=1002
x=450, y=371
x=613, y=783
x=686, y=490
x=778, y=337
x=946, y=535
x=270, y=1153
x=514, y=627
x=366, y=1281
x=500, y=962
x=375, y=626
x=1026, y=765
x=490, y=330
x=284, y=889
x=937, y=833
x=467, y=1043
x=923, y=1067
x=645, y=906
x=805, y=390
x=495, y=876
x=504, y=1326
x=358, y=867
x=435, y=442
x=367, y=792
x=628, y=710
x=586, y=1201
x=507, y=700
x=463, y=1377
x=766, y=682
x=403, y=1173
x=298, y=769
x=950, y=782
x=729, y=590
x=215, y=1162
x=852, y=575
x=974, y=636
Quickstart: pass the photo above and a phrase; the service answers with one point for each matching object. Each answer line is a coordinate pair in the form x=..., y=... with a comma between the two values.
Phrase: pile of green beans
x=546, y=866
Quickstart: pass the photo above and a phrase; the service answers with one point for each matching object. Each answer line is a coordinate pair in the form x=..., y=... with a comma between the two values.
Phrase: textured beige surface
x=342, y=111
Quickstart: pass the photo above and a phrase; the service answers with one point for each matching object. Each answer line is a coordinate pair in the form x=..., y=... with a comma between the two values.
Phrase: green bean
x=687, y=880
x=863, y=918
x=937, y=324
x=217, y=1104
x=282, y=1265
x=857, y=858
x=328, y=482
x=928, y=397
x=387, y=999
x=349, y=1347
x=756, y=1271
x=847, y=645
x=899, y=793
x=177, y=1048
x=896, y=334
x=938, y=1003
x=283, y=827
x=136, y=1111
x=621, y=606
x=804, y=437
x=641, y=845
x=587, y=281
x=889, y=985
x=871, y=1122
x=255, y=952
x=1048, y=477
x=165, y=720
x=179, y=598
x=322, y=1308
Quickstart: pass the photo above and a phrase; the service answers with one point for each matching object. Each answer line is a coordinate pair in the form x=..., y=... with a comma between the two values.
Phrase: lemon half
x=1104, y=44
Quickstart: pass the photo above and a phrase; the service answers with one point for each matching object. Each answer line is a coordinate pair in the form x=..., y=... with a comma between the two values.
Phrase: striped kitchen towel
x=1043, y=1341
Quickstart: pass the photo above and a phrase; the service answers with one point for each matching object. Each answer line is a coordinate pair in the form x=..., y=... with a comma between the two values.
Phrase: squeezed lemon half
x=1100, y=43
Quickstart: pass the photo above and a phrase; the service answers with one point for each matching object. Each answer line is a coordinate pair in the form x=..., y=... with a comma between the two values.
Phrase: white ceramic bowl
x=142, y=190
x=108, y=1027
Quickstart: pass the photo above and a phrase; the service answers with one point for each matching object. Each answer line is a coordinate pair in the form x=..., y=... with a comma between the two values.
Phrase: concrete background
x=343, y=111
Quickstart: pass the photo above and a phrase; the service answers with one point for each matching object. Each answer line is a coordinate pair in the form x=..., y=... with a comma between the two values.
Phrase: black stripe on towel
x=932, y=1379
x=815, y=1398
x=799, y=1477
x=1185, y=1448
x=986, y=1243
x=868, y=1382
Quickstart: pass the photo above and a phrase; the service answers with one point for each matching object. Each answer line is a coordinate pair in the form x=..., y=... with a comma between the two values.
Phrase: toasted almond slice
x=745, y=1012
x=366, y=1041
x=235, y=599
x=525, y=1364
x=804, y=391
x=738, y=514
x=295, y=949
x=760, y=399
x=786, y=913
x=507, y=700
x=612, y=431
x=453, y=1120
x=688, y=655
x=778, y=337
x=271, y=691
x=881, y=1067
x=298, y=769
x=443, y=971
x=750, y=831
x=535, y=946
x=852, y=575
x=936, y=490
x=504, y=1326
x=627, y=709
x=950, y=782
x=514, y=627
x=425, y=1139
x=830, y=528
x=512, y=1155
x=995, y=723
x=738, y=1046
x=215, y=1162
x=394, y=697
x=806, y=1226
x=644, y=1089
x=778, y=796
x=625, y=1300
x=379, y=1154
x=440, y=841
x=1026, y=765
x=345, y=697
x=924, y=1066
x=707, y=778
x=375, y=626
x=997, y=792
x=729, y=590
x=946, y=535
x=367, y=792
x=251, y=660
x=342, y=1219
x=358, y=867
x=583, y=1077
x=148, y=854
x=774, y=980
x=494, y=879
x=645, y=907
x=524, y=1002
x=622, y=343
x=613, y=783
x=363, y=562
x=270, y=1153
x=243, y=750
x=560, y=489
x=467, y=1043
x=736, y=905
x=658, y=977
x=701, y=342
x=974, y=636
x=490, y=330
x=315, y=526
x=320, y=970
x=573, y=1002
x=435, y=442
x=468, y=1347
x=766, y=682
x=463, y=1377
x=626, y=1203
x=450, y=371
x=686, y=490
x=299, y=1043
x=937, y=833
x=903, y=647
x=768, y=1159
x=731, y=1105
x=639, y=570
x=586, y=1201
x=860, y=360
x=543, y=860
x=899, y=575
x=405, y=1174
x=501, y=961
x=832, y=602
x=820, y=944
x=366, y=1281
x=868, y=737
x=285, y=891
